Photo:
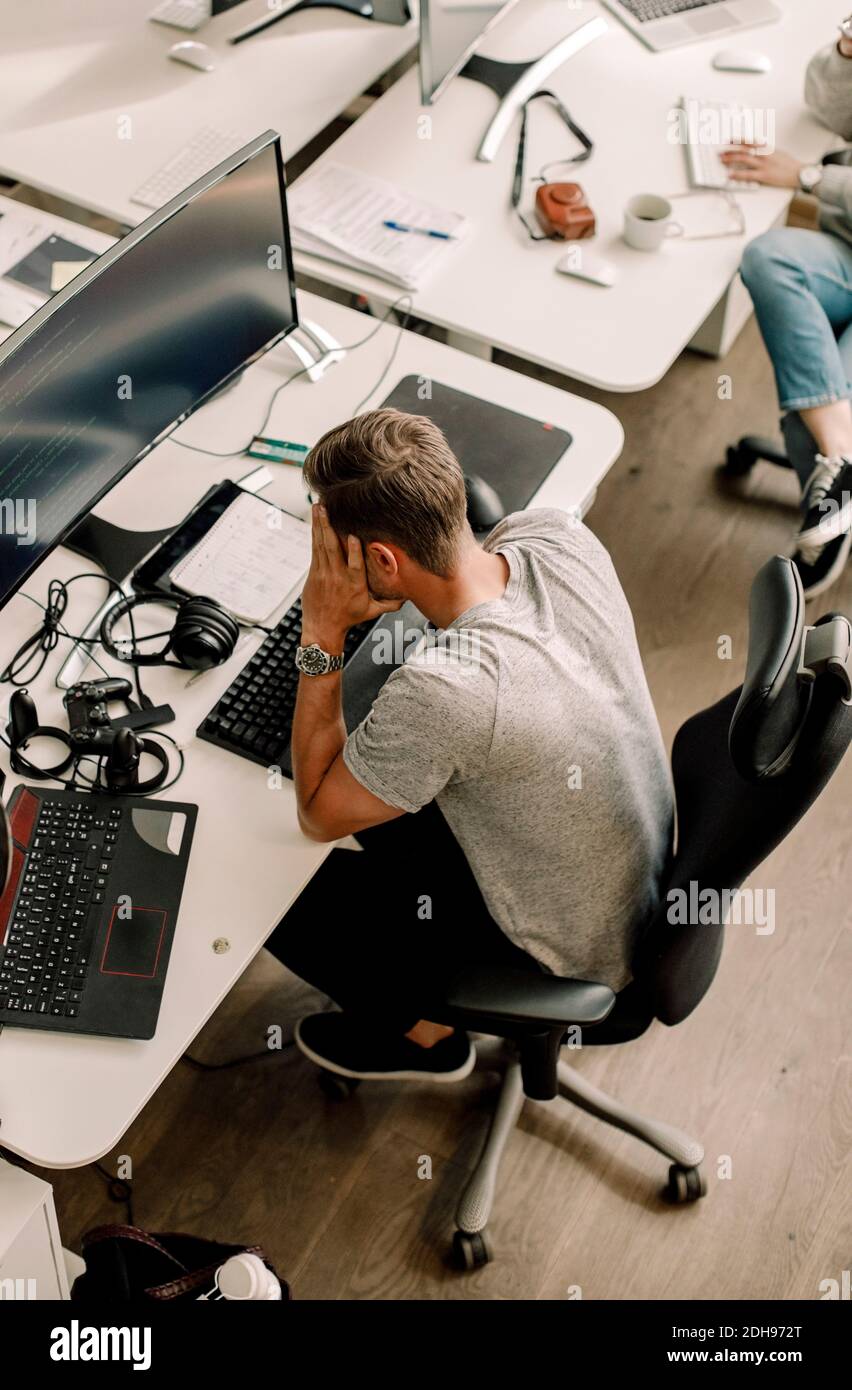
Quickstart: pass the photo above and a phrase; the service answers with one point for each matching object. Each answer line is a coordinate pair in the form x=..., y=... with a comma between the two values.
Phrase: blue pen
x=421, y=231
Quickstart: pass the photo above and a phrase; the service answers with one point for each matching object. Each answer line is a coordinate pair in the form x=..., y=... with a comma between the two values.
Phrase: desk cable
x=404, y=299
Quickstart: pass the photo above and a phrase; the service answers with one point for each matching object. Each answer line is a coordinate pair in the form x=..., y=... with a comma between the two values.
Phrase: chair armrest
x=508, y=995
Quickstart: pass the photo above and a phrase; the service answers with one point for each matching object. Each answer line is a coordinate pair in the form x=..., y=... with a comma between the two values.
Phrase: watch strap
x=335, y=663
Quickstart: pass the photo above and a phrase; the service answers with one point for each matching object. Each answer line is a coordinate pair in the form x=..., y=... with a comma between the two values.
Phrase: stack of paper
x=39, y=254
x=249, y=561
x=339, y=214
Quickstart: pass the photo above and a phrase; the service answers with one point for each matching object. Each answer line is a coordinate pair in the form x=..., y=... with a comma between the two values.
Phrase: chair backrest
x=745, y=771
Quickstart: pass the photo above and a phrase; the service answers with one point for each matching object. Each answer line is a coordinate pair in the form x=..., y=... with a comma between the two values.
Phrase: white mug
x=648, y=222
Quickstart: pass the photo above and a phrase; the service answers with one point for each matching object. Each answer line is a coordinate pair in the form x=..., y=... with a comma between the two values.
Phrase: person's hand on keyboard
x=337, y=595
x=748, y=164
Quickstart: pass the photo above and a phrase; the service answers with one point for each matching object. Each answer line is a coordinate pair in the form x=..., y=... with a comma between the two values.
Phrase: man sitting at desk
x=509, y=786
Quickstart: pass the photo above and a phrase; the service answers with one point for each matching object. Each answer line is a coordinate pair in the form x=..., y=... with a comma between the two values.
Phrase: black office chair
x=798, y=443
x=745, y=771
x=741, y=457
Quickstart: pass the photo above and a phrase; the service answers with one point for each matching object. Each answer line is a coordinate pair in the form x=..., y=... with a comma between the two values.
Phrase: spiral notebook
x=249, y=560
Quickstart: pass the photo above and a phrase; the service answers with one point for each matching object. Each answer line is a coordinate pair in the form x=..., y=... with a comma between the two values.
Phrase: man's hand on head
x=336, y=596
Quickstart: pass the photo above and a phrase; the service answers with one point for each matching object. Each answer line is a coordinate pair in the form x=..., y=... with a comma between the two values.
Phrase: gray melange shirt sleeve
x=828, y=89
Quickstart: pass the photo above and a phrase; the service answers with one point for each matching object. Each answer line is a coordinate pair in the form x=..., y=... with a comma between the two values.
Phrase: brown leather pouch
x=562, y=211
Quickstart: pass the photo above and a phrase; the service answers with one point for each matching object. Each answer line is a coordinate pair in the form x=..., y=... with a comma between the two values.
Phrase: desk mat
x=512, y=452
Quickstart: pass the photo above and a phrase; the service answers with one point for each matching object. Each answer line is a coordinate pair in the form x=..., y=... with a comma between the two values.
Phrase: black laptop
x=91, y=886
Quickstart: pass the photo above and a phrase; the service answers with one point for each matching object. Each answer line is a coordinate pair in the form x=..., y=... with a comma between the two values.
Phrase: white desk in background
x=66, y=1100
x=499, y=289
x=33, y=1264
x=75, y=78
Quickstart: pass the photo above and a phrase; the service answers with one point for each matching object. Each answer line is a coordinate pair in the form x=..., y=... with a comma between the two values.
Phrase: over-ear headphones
x=204, y=634
x=122, y=765
x=22, y=727
x=121, y=770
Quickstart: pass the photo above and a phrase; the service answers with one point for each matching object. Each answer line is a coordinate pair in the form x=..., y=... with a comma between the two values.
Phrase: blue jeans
x=801, y=285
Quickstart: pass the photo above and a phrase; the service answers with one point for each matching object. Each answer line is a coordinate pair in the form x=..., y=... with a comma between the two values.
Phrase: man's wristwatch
x=313, y=661
x=809, y=176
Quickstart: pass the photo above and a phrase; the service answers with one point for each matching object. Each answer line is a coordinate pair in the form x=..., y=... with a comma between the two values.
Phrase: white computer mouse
x=741, y=60
x=195, y=55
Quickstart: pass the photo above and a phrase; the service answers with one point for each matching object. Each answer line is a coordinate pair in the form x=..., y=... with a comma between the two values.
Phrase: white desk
x=33, y=1264
x=65, y=1101
x=499, y=289
x=70, y=73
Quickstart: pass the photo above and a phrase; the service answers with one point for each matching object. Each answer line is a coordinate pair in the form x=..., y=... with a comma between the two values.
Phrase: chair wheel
x=738, y=462
x=684, y=1185
x=337, y=1087
x=471, y=1252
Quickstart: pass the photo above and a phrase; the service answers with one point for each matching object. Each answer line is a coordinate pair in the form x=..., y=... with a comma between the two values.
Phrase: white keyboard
x=710, y=127
x=182, y=14
x=206, y=149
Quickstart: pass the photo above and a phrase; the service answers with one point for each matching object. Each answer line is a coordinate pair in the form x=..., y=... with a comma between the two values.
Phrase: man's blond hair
x=388, y=476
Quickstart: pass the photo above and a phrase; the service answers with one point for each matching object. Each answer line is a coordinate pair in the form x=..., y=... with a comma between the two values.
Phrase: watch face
x=313, y=660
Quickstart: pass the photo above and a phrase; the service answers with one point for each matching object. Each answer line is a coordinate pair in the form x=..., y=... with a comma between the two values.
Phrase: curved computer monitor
x=450, y=32
x=135, y=343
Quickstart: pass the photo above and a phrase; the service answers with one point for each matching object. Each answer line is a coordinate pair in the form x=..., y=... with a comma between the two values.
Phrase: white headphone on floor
x=243, y=1277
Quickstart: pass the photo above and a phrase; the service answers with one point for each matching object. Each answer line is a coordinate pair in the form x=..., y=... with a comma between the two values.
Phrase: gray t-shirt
x=828, y=92
x=530, y=723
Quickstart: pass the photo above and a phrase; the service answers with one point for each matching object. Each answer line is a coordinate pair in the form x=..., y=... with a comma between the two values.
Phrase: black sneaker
x=335, y=1042
x=827, y=500
x=820, y=565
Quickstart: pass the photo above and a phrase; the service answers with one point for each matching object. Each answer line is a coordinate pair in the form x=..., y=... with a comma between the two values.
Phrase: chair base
x=471, y=1249
x=751, y=449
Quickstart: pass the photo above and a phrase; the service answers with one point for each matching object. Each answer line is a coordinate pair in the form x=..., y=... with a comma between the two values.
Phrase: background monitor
x=135, y=343
x=450, y=31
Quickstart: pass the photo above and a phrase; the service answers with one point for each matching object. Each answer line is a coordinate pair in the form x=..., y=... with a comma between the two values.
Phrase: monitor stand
x=314, y=347
x=383, y=11
x=514, y=83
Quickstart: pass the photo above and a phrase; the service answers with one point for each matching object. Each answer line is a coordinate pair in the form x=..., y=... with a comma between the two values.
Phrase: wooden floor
x=760, y=1073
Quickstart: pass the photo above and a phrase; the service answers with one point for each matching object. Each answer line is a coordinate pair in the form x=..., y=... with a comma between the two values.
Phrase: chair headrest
x=785, y=658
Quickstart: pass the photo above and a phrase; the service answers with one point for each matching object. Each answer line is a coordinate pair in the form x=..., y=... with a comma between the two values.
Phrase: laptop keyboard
x=65, y=880
x=645, y=10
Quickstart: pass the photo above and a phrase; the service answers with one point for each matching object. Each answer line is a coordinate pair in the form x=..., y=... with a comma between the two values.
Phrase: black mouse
x=484, y=508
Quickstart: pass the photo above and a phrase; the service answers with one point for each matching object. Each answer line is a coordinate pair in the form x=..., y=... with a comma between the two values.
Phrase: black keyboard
x=65, y=881
x=254, y=717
